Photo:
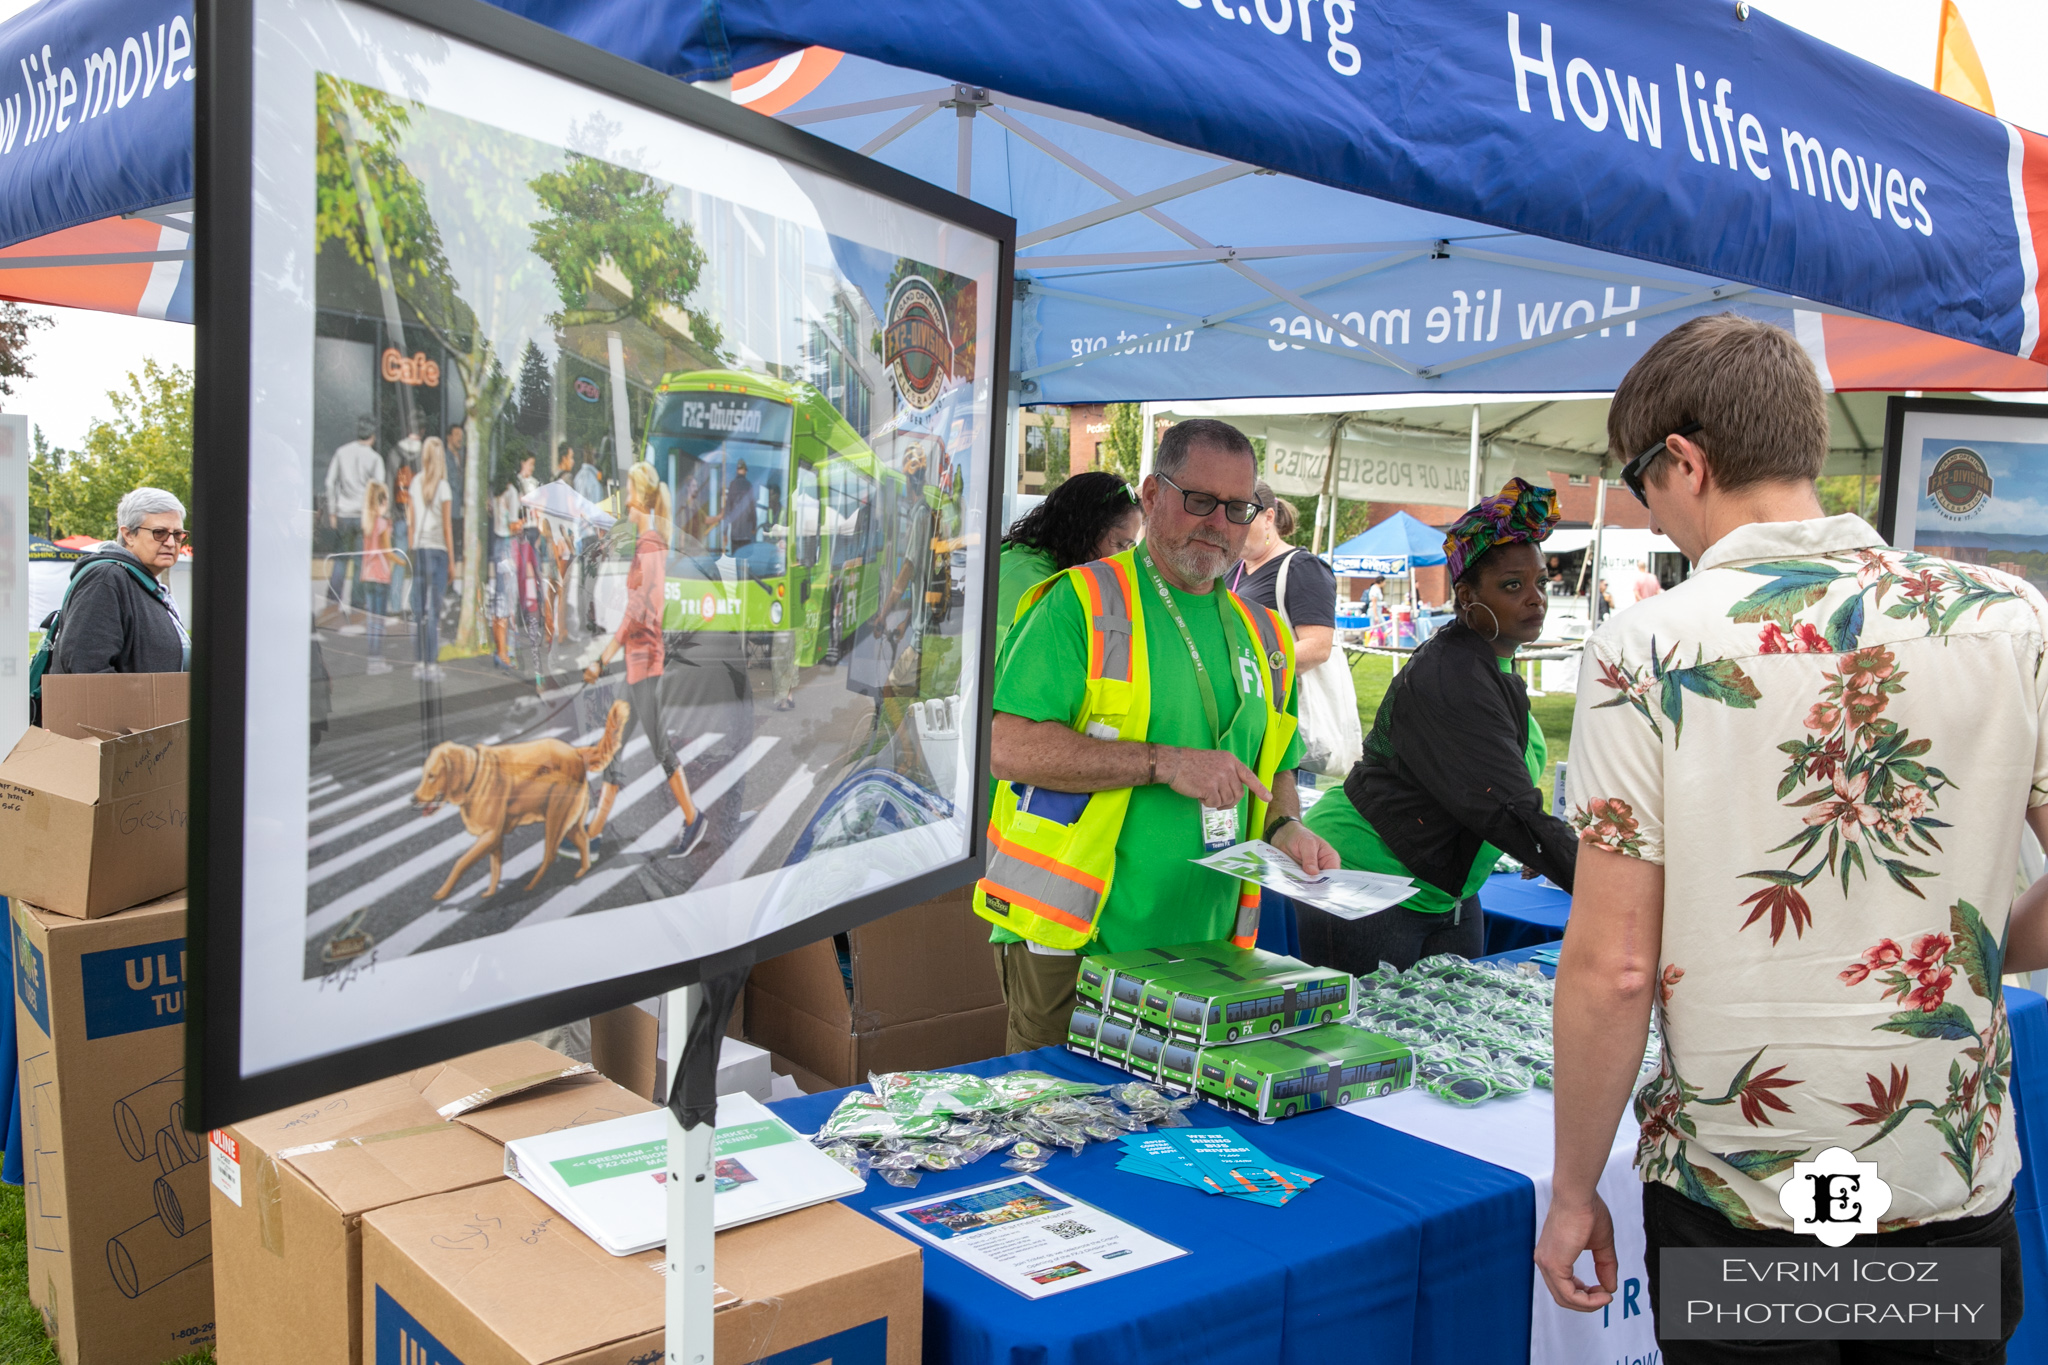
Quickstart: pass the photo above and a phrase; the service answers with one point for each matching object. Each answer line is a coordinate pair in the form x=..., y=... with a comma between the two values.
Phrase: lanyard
x=1202, y=674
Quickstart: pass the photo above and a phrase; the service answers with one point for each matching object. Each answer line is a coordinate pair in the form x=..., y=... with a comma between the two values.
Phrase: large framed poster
x=600, y=479
x=1968, y=481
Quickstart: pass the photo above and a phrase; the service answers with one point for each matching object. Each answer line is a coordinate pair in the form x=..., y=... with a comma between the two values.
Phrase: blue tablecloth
x=1522, y=914
x=1406, y=1251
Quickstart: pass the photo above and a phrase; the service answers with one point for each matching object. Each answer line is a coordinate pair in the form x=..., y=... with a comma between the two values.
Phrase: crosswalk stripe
x=734, y=863
x=570, y=899
x=356, y=798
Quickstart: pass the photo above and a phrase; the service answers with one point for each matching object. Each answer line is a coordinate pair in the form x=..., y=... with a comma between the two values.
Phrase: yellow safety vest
x=1052, y=855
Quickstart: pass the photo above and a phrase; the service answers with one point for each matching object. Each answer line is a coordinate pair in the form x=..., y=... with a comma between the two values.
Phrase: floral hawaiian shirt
x=1829, y=746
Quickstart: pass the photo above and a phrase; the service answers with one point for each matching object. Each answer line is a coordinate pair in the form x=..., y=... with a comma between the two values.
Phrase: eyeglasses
x=1236, y=511
x=164, y=535
x=1632, y=472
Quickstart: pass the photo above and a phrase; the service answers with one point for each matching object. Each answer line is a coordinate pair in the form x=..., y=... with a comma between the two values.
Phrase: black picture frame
x=217, y=1091
x=1896, y=407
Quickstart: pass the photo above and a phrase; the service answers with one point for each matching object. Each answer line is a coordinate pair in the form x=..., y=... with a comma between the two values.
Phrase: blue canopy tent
x=1445, y=213
x=1392, y=548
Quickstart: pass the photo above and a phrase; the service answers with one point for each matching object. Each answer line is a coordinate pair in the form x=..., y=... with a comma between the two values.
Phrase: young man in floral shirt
x=1800, y=779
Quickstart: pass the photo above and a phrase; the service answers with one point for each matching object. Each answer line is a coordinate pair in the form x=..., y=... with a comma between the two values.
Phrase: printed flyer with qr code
x=1030, y=1237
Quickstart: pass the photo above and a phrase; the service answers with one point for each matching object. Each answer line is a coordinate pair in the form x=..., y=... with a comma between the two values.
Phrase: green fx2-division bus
x=1220, y=1005
x=785, y=519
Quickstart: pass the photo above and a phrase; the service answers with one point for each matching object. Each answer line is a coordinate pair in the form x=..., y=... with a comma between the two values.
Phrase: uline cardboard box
x=924, y=996
x=493, y=1276
x=93, y=804
x=114, y=1187
x=290, y=1191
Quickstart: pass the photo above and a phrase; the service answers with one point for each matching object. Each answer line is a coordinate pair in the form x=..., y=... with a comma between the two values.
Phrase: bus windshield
x=726, y=458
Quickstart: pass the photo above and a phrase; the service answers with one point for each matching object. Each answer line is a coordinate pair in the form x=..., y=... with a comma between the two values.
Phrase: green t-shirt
x=1157, y=896
x=1020, y=569
x=1360, y=847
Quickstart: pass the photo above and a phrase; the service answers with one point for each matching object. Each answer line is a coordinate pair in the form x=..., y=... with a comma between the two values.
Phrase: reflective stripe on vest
x=1066, y=895
x=1109, y=616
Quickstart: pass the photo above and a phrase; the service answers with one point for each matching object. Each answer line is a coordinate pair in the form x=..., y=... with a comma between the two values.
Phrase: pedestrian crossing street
x=374, y=861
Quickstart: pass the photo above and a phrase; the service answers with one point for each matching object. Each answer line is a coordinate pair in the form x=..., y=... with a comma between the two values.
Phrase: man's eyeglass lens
x=1632, y=472
x=165, y=536
x=1202, y=504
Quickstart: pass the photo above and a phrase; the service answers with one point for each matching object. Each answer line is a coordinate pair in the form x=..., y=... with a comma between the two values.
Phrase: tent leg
x=1148, y=440
x=690, y=1190
x=1472, y=481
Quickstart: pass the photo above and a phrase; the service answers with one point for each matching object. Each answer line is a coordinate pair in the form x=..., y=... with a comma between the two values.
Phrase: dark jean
x=1399, y=936
x=429, y=587
x=348, y=540
x=1672, y=1220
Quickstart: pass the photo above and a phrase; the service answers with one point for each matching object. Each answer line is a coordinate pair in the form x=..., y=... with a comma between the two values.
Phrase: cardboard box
x=84, y=705
x=570, y=1102
x=92, y=814
x=925, y=996
x=119, y=1244
x=493, y=1276
x=291, y=1188
x=626, y=1045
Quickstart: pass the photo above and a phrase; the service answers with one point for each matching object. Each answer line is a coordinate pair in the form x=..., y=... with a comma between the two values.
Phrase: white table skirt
x=1516, y=1133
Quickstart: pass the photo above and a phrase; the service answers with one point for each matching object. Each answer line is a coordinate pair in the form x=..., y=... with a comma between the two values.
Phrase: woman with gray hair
x=118, y=617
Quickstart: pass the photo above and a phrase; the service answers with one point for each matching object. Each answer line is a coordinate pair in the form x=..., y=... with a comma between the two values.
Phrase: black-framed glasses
x=164, y=535
x=1632, y=472
x=1237, y=511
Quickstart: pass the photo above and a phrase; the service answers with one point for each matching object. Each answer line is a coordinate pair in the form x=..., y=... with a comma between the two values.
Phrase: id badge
x=1219, y=828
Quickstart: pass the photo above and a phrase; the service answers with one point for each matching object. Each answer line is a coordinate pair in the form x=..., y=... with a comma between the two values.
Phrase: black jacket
x=1444, y=770
x=112, y=624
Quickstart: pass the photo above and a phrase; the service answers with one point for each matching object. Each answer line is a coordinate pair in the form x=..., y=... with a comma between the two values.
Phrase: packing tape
x=478, y=1099
x=287, y=1153
x=266, y=1191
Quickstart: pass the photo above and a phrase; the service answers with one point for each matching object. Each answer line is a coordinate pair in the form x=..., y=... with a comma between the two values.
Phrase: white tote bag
x=1332, y=739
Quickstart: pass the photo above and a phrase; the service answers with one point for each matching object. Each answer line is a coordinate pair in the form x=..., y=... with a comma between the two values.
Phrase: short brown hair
x=1182, y=437
x=1749, y=386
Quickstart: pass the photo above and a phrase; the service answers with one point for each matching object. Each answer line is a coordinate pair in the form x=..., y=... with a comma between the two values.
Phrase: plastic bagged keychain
x=1027, y=1156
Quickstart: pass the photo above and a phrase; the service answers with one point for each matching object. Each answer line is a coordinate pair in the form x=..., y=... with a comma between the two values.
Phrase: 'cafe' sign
x=415, y=369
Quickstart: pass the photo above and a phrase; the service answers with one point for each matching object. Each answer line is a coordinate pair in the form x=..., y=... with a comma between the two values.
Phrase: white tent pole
x=1148, y=439
x=1473, y=495
x=690, y=1189
x=1599, y=536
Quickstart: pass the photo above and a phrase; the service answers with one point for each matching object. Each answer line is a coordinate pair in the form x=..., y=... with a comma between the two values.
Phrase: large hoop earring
x=1489, y=611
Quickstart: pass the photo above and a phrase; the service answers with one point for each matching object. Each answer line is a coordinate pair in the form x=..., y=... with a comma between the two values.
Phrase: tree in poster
x=606, y=219
x=372, y=199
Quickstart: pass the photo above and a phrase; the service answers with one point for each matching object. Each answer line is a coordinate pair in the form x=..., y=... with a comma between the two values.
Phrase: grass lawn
x=21, y=1327
x=1372, y=673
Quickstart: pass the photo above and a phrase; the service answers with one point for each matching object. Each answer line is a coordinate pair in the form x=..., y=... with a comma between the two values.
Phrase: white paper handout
x=1029, y=1236
x=1344, y=893
x=607, y=1178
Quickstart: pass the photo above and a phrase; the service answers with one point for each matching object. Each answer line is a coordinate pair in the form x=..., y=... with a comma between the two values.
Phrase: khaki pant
x=1040, y=993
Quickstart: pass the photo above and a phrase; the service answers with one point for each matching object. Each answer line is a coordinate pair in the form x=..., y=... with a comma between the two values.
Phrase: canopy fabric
x=95, y=132
x=1406, y=451
x=1701, y=137
x=1398, y=544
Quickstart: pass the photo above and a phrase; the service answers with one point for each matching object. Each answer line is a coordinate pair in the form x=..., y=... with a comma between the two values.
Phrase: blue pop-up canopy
x=1390, y=549
x=1467, y=198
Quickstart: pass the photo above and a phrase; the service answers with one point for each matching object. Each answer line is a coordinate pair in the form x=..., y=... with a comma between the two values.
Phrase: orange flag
x=1957, y=71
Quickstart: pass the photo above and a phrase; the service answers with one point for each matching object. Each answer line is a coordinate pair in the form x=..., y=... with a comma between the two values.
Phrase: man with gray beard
x=1145, y=715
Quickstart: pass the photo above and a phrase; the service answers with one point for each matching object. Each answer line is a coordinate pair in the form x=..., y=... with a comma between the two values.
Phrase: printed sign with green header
x=746, y=1137
x=635, y=1160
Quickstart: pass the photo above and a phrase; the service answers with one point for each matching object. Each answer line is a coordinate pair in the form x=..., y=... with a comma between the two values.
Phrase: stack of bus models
x=1249, y=1030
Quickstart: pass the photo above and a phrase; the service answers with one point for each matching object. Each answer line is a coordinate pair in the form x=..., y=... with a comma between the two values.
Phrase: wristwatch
x=1268, y=835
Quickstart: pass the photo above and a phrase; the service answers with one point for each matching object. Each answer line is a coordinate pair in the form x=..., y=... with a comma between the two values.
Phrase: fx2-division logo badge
x=1960, y=483
x=1835, y=1197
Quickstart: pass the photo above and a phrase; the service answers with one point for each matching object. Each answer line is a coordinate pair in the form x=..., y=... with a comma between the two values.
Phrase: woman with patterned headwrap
x=1449, y=776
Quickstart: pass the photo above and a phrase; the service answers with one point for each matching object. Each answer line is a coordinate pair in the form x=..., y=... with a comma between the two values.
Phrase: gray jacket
x=112, y=624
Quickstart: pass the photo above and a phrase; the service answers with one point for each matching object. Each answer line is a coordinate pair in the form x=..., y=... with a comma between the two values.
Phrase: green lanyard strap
x=1210, y=706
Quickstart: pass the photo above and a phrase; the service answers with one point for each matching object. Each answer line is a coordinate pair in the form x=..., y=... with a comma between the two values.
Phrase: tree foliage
x=16, y=322
x=1123, y=446
x=146, y=443
x=605, y=215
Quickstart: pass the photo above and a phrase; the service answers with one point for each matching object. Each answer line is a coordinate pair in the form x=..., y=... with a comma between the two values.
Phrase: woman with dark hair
x=1449, y=776
x=1090, y=516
